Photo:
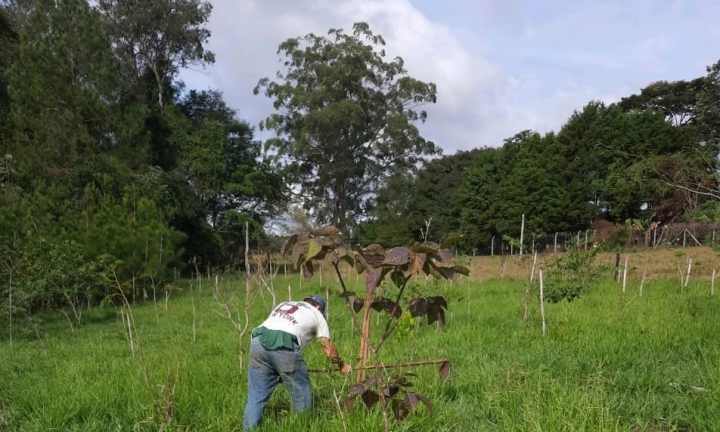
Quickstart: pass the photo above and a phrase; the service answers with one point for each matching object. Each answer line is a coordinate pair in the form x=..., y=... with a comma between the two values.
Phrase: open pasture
x=607, y=363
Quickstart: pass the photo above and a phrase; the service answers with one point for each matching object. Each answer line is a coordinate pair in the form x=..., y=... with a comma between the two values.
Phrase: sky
x=501, y=66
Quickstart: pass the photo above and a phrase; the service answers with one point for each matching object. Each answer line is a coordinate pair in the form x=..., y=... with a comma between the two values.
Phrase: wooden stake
x=527, y=290
x=689, y=266
x=625, y=274
x=642, y=282
x=542, y=302
x=522, y=232
x=712, y=283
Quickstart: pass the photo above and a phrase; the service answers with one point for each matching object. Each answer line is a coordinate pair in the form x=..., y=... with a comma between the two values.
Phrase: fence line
x=665, y=236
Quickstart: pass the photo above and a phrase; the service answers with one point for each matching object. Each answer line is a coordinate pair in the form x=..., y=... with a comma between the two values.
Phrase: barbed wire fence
x=607, y=236
x=691, y=234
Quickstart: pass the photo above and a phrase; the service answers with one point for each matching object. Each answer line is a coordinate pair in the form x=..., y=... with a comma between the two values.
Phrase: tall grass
x=645, y=363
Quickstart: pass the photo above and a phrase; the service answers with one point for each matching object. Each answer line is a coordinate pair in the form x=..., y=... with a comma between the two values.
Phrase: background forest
x=112, y=171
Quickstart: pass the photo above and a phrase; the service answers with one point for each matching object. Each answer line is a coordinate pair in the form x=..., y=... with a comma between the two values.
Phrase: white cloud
x=479, y=103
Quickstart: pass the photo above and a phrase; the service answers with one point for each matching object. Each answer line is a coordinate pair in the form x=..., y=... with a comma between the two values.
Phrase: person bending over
x=276, y=354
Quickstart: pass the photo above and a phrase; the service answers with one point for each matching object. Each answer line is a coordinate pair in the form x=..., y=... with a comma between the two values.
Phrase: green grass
x=606, y=364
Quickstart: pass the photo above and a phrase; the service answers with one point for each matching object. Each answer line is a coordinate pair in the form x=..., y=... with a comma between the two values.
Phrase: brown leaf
x=358, y=304
x=436, y=313
x=372, y=280
x=438, y=300
x=299, y=251
x=371, y=381
x=462, y=270
x=411, y=401
x=444, y=258
x=447, y=273
x=426, y=247
x=370, y=398
x=356, y=390
x=327, y=231
x=431, y=269
x=417, y=307
x=397, y=256
x=307, y=270
x=333, y=257
x=359, y=267
x=417, y=261
x=373, y=249
x=361, y=263
x=400, y=409
x=445, y=370
x=347, y=294
x=289, y=243
x=426, y=401
x=449, y=241
x=398, y=278
x=390, y=390
x=373, y=254
x=385, y=304
x=349, y=402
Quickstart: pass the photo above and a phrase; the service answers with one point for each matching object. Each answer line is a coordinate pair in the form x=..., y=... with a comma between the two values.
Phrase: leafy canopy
x=345, y=119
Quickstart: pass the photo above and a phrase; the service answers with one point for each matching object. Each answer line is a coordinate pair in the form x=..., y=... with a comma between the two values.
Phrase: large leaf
x=372, y=279
x=431, y=269
x=412, y=401
x=390, y=390
x=299, y=252
x=313, y=249
x=327, y=231
x=374, y=255
x=397, y=256
x=398, y=278
x=289, y=243
x=438, y=300
x=462, y=270
x=385, y=304
x=400, y=409
x=361, y=263
x=370, y=398
x=444, y=258
x=357, y=390
x=449, y=241
x=426, y=247
x=417, y=262
x=436, y=314
x=333, y=257
x=417, y=307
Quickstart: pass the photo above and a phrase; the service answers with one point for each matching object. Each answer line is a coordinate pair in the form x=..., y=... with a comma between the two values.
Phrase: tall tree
x=676, y=99
x=157, y=38
x=478, y=197
x=60, y=86
x=223, y=163
x=408, y=203
x=346, y=119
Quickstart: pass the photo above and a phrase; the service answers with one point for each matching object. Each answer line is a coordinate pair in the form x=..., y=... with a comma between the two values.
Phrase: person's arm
x=332, y=353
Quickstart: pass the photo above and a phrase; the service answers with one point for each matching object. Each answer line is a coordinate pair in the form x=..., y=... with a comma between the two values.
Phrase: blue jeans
x=266, y=370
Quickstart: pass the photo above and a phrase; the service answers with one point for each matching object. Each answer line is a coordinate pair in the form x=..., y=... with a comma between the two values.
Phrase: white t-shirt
x=300, y=319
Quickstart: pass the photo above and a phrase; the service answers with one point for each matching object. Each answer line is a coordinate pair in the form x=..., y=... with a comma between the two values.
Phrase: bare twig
x=390, y=366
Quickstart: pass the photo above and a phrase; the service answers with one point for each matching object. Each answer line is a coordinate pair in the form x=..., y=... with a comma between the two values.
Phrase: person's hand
x=345, y=369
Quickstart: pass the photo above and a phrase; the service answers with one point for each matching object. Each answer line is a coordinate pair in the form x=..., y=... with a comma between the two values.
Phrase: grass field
x=608, y=363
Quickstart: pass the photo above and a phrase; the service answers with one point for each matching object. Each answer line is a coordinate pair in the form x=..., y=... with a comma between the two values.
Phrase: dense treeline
x=113, y=173
x=653, y=156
